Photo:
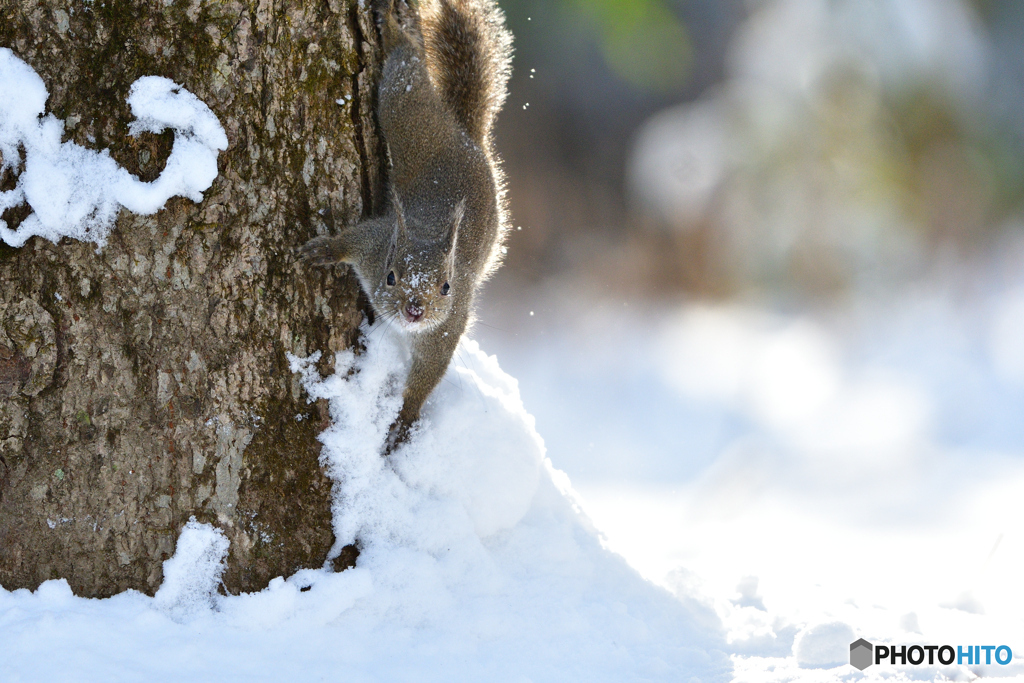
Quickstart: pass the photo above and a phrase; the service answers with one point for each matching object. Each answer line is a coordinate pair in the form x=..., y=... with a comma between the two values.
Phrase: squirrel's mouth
x=412, y=313
x=413, y=318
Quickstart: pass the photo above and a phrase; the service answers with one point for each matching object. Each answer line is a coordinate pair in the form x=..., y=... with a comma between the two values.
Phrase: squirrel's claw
x=397, y=435
x=401, y=429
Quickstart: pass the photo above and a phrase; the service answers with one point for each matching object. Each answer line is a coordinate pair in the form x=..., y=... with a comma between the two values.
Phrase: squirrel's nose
x=413, y=313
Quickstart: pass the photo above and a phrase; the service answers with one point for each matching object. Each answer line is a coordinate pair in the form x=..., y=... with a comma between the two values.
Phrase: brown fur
x=438, y=99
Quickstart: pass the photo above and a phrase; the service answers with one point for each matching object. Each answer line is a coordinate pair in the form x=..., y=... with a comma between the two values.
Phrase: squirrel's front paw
x=321, y=251
x=397, y=435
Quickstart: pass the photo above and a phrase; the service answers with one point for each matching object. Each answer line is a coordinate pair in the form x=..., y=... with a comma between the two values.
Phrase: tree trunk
x=147, y=383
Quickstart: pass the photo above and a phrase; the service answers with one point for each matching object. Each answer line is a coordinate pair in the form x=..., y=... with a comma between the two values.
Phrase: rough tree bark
x=148, y=383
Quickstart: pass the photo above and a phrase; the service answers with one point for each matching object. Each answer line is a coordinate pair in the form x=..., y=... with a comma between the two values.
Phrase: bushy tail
x=470, y=55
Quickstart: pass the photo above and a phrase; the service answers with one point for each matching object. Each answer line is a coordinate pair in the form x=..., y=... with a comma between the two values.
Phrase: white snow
x=824, y=646
x=807, y=474
x=77, y=192
x=192, y=576
x=476, y=564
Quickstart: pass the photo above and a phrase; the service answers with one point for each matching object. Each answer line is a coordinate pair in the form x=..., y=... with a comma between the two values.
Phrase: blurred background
x=795, y=149
x=764, y=294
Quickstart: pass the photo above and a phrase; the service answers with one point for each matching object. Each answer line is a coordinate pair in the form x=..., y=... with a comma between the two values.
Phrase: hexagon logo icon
x=861, y=654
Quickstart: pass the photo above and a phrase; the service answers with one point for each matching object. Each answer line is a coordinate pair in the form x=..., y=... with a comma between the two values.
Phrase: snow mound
x=824, y=646
x=476, y=564
x=468, y=529
x=77, y=192
x=485, y=470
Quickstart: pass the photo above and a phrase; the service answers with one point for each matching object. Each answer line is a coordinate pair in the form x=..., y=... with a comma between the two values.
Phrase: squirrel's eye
x=444, y=289
x=391, y=279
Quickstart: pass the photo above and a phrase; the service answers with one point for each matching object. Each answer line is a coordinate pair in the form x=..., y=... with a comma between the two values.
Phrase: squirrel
x=422, y=262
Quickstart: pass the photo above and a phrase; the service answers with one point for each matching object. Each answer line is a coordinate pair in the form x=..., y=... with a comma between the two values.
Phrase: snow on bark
x=77, y=192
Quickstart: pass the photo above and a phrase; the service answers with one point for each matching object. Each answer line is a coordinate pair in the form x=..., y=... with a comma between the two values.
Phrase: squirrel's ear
x=392, y=249
x=453, y=227
x=400, y=233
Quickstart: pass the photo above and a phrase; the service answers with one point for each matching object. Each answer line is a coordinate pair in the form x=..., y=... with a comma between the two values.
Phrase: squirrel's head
x=416, y=287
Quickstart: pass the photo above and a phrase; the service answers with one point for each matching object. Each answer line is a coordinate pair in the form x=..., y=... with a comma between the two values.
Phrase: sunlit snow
x=808, y=475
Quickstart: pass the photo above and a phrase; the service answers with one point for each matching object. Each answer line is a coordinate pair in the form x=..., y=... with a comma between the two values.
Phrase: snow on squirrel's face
x=416, y=291
x=416, y=287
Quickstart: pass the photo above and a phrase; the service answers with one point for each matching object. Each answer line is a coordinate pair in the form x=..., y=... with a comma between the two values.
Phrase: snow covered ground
x=814, y=477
